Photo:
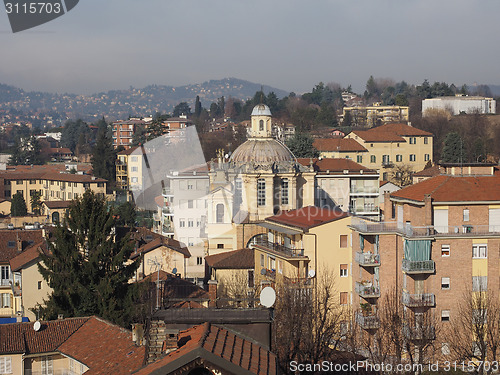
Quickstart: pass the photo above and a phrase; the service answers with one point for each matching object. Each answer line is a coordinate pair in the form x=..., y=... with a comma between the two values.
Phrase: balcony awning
x=280, y=229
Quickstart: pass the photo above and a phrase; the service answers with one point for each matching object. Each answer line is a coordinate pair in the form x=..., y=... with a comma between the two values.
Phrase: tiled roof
x=47, y=172
x=445, y=188
x=28, y=255
x=22, y=338
x=374, y=135
x=236, y=259
x=335, y=165
x=337, y=144
x=223, y=348
x=435, y=170
x=163, y=241
x=57, y=204
x=104, y=347
x=308, y=217
x=402, y=129
x=9, y=242
x=177, y=287
x=128, y=151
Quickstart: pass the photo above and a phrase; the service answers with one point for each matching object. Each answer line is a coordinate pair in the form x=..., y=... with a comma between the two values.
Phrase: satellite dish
x=267, y=297
x=312, y=273
x=37, y=326
x=174, y=271
x=263, y=272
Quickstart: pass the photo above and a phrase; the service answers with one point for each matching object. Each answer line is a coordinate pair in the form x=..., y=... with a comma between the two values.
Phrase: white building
x=458, y=104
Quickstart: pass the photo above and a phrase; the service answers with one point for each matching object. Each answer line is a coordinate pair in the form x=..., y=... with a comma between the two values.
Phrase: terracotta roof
x=104, y=347
x=57, y=204
x=224, y=348
x=128, y=151
x=445, y=188
x=402, y=129
x=9, y=242
x=30, y=254
x=177, y=287
x=60, y=150
x=236, y=259
x=337, y=144
x=47, y=172
x=22, y=338
x=308, y=217
x=335, y=165
x=435, y=170
x=160, y=201
x=163, y=241
x=374, y=135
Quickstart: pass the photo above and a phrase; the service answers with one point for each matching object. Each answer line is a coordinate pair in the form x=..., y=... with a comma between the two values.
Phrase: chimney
x=212, y=293
x=427, y=210
x=19, y=243
x=171, y=340
x=138, y=334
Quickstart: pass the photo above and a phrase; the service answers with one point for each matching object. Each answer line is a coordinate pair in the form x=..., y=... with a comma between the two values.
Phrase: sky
x=288, y=44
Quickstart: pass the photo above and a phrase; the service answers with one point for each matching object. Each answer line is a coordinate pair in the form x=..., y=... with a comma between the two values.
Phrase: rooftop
x=308, y=217
x=335, y=165
x=402, y=130
x=158, y=242
x=236, y=259
x=337, y=144
x=374, y=135
x=14, y=241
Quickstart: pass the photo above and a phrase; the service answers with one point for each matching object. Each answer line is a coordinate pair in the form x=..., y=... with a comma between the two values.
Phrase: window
x=261, y=125
x=479, y=283
x=344, y=296
x=135, y=169
x=190, y=241
x=11, y=244
x=182, y=223
x=220, y=246
x=5, y=273
x=135, y=179
x=190, y=203
x=134, y=158
x=445, y=315
x=219, y=213
x=190, y=186
x=6, y=365
x=359, y=158
x=399, y=158
x=385, y=159
x=413, y=157
x=413, y=140
x=343, y=270
x=5, y=300
x=190, y=223
x=426, y=140
x=466, y=214
x=262, y=260
x=47, y=368
x=479, y=251
x=32, y=182
x=19, y=182
x=199, y=261
x=427, y=157
x=445, y=250
x=373, y=159
x=445, y=283
x=284, y=191
x=280, y=266
x=250, y=279
x=261, y=192
x=343, y=240
x=272, y=263
x=39, y=285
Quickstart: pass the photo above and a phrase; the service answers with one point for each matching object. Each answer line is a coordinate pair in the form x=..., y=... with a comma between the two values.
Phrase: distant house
x=459, y=104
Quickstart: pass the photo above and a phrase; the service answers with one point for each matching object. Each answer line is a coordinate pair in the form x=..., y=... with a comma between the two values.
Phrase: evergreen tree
x=453, y=150
x=197, y=107
x=301, y=146
x=181, y=109
x=36, y=203
x=27, y=151
x=126, y=214
x=104, y=155
x=18, y=205
x=88, y=268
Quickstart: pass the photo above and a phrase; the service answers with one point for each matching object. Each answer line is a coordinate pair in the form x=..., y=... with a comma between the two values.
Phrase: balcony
x=366, y=209
x=367, y=290
x=262, y=243
x=5, y=282
x=370, y=321
x=387, y=164
x=364, y=190
x=430, y=231
x=367, y=259
x=167, y=211
x=419, y=333
x=418, y=300
x=167, y=192
x=167, y=229
x=418, y=266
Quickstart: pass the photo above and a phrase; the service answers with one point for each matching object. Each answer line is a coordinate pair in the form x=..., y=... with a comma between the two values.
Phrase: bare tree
x=401, y=175
x=236, y=291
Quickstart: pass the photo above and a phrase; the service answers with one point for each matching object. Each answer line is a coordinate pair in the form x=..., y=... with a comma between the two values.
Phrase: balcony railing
x=167, y=210
x=277, y=247
x=370, y=321
x=418, y=266
x=418, y=333
x=367, y=290
x=5, y=282
x=367, y=226
x=364, y=190
x=367, y=208
x=166, y=192
x=418, y=300
x=367, y=259
x=167, y=229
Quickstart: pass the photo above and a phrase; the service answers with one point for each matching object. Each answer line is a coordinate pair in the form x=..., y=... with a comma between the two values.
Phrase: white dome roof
x=264, y=150
x=261, y=110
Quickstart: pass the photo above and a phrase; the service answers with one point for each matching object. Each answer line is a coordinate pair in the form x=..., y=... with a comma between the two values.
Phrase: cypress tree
x=88, y=269
x=18, y=205
x=103, y=156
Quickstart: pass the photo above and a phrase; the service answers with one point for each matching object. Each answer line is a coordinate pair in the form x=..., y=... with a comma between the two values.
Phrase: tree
x=126, y=214
x=18, y=205
x=27, y=151
x=401, y=175
x=88, y=267
x=197, y=107
x=453, y=150
x=104, y=155
x=36, y=203
x=181, y=109
x=301, y=145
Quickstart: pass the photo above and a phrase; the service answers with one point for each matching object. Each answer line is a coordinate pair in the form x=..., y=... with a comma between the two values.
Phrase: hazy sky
x=288, y=44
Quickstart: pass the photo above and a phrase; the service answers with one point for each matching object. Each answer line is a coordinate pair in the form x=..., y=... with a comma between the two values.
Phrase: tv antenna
x=157, y=265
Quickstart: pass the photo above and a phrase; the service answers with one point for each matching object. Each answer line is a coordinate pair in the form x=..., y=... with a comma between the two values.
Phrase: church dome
x=261, y=110
x=262, y=150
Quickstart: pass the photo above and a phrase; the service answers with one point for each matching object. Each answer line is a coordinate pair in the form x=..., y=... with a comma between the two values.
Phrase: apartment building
x=340, y=148
x=123, y=132
x=346, y=184
x=459, y=104
x=438, y=243
x=393, y=145
x=53, y=182
x=376, y=115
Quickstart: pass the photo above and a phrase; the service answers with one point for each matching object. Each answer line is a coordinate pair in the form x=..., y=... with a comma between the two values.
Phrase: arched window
x=219, y=213
x=55, y=217
x=261, y=125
